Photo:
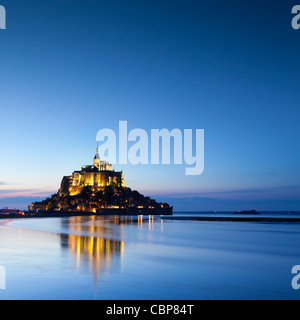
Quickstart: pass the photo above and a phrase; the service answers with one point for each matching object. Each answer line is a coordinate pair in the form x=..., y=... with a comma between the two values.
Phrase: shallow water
x=115, y=258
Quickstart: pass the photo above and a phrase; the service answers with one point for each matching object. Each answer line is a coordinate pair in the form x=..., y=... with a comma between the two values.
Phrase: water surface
x=147, y=258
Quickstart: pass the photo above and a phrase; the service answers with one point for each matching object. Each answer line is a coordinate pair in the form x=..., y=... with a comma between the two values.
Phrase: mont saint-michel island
x=98, y=189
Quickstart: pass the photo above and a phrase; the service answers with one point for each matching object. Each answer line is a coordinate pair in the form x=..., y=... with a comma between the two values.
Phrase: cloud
x=20, y=203
x=7, y=192
x=4, y=191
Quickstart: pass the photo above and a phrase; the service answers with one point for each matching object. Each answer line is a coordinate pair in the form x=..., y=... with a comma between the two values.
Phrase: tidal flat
x=147, y=257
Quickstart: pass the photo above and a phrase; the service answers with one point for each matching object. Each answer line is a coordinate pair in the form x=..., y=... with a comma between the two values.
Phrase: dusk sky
x=70, y=68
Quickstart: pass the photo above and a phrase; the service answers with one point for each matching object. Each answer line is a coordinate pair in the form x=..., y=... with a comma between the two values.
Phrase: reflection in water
x=174, y=259
x=142, y=220
x=103, y=224
x=94, y=247
x=92, y=239
x=98, y=252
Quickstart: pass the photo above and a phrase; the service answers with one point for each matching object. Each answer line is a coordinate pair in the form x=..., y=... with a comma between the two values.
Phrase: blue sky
x=71, y=68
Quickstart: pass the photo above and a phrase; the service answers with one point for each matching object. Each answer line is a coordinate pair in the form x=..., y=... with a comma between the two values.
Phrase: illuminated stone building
x=99, y=175
x=98, y=189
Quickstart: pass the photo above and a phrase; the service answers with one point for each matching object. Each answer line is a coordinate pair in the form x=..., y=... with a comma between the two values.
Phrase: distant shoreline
x=236, y=219
x=110, y=212
x=262, y=219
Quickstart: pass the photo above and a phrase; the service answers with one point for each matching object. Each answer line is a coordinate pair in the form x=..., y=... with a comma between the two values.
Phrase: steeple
x=97, y=152
x=97, y=160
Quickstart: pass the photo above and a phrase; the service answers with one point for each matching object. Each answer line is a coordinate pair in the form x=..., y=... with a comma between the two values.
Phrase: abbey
x=99, y=175
x=98, y=189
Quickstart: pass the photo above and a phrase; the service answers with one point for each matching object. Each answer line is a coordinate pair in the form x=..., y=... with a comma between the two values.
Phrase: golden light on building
x=98, y=189
x=99, y=175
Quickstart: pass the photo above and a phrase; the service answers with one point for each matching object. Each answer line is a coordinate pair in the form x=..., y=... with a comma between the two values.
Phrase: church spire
x=97, y=152
x=97, y=161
